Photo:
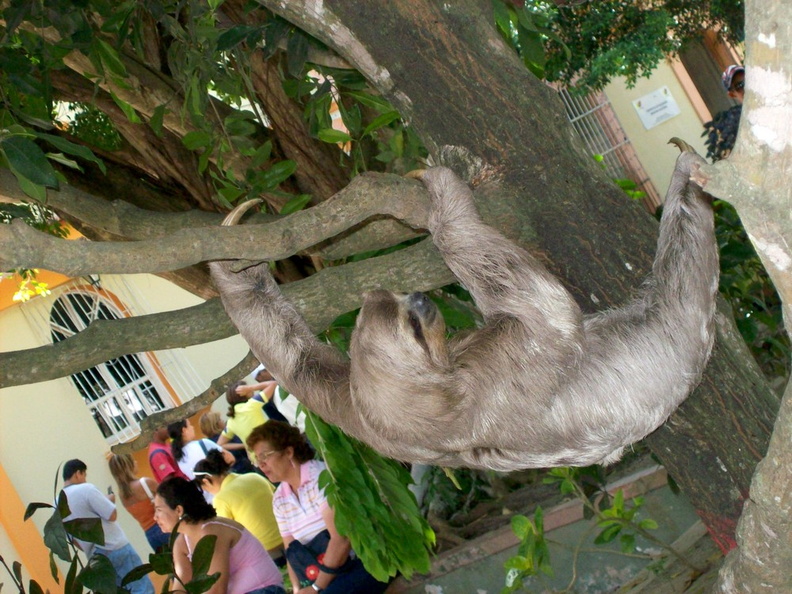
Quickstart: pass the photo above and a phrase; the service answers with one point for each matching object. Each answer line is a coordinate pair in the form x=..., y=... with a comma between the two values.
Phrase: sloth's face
x=409, y=325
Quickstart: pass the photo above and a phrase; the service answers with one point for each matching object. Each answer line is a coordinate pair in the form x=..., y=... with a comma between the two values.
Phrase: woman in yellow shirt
x=246, y=498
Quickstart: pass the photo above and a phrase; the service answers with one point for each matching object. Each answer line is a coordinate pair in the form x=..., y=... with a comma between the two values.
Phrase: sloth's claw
x=682, y=145
x=232, y=218
x=415, y=174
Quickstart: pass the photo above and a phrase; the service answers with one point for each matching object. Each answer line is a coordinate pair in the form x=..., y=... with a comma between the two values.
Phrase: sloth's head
x=401, y=333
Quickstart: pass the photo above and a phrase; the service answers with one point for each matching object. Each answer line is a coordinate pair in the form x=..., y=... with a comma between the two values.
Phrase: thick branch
x=368, y=195
x=321, y=298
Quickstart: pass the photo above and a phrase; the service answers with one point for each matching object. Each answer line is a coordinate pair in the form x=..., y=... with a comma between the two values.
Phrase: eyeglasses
x=263, y=457
x=739, y=86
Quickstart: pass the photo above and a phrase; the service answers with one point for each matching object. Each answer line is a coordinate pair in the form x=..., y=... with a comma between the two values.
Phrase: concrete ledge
x=503, y=538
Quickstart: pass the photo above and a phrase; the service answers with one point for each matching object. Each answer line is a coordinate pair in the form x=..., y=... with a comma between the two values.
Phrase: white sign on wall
x=656, y=107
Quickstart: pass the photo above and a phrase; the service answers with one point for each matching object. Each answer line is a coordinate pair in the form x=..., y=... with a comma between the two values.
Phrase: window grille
x=119, y=392
x=602, y=134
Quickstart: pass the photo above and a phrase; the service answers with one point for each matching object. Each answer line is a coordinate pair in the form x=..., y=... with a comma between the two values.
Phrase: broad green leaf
x=201, y=584
x=157, y=119
x=55, y=537
x=608, y=534
x=294, y=204
x=136, y=573
x=333, y=136
x=110, y=57
x=372, y=101
x=34, y=587
x=202, y=555
x=521, y=526
x=261, y=155
x=28, y=160
x=128, y=110
x=71, y=148
x=381, y=122
x=64, y=160
x=162, y=563
x=276, y=174
x=72, y=584
x=196, y=139
x=32, y=507
x=99, y=575
x=648, y=524
x=234, y=36
x=88, y=529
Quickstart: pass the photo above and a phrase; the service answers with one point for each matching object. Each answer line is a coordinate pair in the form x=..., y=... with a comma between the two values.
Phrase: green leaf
x=128, y=110
x=99, y=575
x=157, y=119
x=261, y=155
x=276, y=174
x=55, y=537
x=196, y=139
x=200, y=584
x=35, y=588
x=521, y=526
x=64, y=160
x=234, y=36
x=381, y=122
x=32, y=507
x=162, y=563
x=608, y=534
x=72, y=584
x=71, y=148
x=87, y=529
x=294, y=204
x=202, y=556
x=371, y=101
x=136, y=573
x=648, y=524
x=627, y=543
x=333, y=136
x=28, y=160
x=110, y=57
x=54, y=571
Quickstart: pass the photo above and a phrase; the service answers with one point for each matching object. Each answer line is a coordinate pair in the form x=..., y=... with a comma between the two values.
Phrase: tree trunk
x=477, y=108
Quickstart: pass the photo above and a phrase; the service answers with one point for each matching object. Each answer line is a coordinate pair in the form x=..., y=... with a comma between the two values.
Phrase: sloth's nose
x=421, y=304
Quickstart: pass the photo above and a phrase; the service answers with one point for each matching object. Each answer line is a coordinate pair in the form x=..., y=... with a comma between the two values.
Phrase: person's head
x=264, y=375
x=180, y=499
x=123, y=468
x=278, y=447
x=210, y=472
x=75, y=471
x=181, y=432
x=733, y=79
x=233, y=398
x=160, y=435
x=211, y=423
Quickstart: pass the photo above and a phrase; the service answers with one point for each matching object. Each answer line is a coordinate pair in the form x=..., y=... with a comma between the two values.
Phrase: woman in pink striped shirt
x=305, y=520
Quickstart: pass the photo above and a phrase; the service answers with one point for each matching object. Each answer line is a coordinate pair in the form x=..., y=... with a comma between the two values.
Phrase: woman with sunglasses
x=318, y=558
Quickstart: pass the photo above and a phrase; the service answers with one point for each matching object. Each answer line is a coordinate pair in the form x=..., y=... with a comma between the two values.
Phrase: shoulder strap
x=203, y=446
x=146, y=488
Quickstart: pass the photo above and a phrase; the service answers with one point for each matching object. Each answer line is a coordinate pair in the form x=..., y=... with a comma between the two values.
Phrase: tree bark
x=476, y=107
x=756, y=179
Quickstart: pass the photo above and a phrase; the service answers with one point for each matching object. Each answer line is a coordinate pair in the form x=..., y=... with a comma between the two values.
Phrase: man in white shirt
x=86, y=501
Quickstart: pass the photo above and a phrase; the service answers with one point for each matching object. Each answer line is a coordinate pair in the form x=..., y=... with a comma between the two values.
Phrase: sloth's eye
x=415, y=324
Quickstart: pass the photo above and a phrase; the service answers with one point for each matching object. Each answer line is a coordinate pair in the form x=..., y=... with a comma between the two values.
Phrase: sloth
x=539, y=384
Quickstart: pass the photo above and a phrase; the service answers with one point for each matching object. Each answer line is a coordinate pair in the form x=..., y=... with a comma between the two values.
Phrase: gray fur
x=539, y=385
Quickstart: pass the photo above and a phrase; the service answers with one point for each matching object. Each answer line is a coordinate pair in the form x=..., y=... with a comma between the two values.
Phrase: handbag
x=306, y=559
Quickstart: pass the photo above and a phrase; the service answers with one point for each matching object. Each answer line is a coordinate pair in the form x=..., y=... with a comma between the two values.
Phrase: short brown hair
x=211, y=423
x=280, y=436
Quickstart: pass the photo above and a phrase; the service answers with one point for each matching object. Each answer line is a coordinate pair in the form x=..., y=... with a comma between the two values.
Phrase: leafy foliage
x=584, y=45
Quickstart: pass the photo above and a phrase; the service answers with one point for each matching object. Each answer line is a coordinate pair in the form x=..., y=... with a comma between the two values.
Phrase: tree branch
x=320, y=298
x=187, y=409
x=368, y=195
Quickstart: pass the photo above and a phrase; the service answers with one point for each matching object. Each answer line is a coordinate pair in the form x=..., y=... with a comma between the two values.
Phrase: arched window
x=119, y=392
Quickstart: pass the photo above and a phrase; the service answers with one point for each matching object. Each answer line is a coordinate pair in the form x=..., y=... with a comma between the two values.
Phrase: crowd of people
x=252, y=483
